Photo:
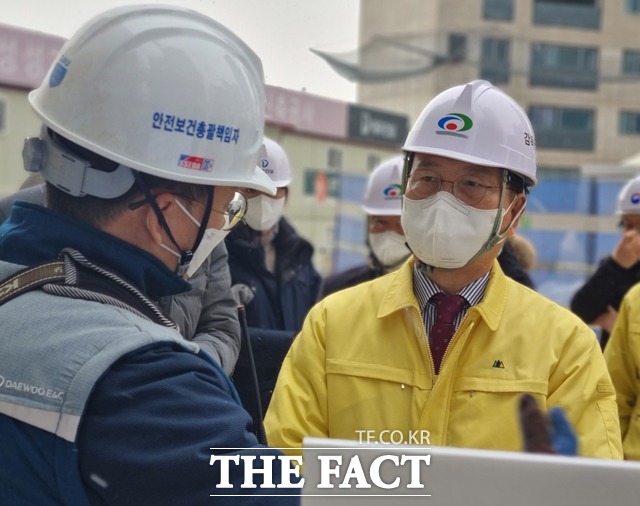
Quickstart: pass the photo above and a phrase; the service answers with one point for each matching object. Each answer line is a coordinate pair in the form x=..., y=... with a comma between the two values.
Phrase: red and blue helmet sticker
x=454, y=123
x=393, y=191
x=195, y=163
x=635, y=198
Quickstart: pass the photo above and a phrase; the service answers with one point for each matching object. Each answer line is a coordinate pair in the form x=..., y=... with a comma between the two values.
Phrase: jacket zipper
x=455, y=334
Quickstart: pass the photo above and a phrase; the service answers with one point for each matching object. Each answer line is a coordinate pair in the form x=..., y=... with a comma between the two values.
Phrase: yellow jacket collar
x=399, y=294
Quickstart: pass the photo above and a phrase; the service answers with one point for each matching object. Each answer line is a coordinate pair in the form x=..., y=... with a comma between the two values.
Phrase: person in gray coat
x=206, y=315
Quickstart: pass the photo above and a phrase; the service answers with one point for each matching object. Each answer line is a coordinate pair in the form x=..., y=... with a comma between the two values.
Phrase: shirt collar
x=424, y=288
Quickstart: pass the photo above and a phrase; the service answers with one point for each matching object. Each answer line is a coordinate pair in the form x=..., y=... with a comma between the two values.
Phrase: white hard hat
x=275, y=163
x=383, y=194
x=163, y=90
x=629, y=198
x=477, y=123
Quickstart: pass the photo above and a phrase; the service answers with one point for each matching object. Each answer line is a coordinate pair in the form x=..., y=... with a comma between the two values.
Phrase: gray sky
x=279, y=31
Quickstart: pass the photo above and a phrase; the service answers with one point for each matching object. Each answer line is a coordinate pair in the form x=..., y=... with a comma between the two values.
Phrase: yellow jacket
x=362, y=363
x=622, y=355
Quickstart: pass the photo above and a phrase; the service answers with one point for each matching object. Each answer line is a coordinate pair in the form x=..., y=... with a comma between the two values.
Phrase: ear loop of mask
x=496, y=237
x=185, y=256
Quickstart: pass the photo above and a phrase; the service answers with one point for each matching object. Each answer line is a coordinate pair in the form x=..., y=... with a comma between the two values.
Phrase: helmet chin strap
x=185, y=256
x=495, y=237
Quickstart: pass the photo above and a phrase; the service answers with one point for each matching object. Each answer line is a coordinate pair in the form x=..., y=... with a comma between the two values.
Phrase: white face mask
x=263, y=212
x=444, y=232
x=211, y=238
x=389, y=248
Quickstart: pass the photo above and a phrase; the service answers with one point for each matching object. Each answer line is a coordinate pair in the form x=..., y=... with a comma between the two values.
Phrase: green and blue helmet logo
x=454, y=123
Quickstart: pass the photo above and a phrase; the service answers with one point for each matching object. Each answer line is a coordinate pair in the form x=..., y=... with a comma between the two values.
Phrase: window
x=563, y=128
x=334, y=159
x=316, y=181
x=372, y=161
x=585, y=14
x=563, y=66
x=545, y=173
x=457, y=47
x=629, y=123
x=632, y=6
x=501, y=10
x=631, y=62
x=494, y=64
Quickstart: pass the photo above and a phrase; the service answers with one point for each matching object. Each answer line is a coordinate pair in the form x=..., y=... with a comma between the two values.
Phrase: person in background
x=517, y=258
x=448, y=343
x=524, y=251
x=273, y=275
x=598, y=299
x=206, y=314
x=152, y=119
x=382, y=203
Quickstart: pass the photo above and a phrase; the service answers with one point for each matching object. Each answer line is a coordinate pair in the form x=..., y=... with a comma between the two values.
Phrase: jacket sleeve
x=620, y=361
x=580, y=384
x=299, y=403
x=207, y=314
x=153, y=423
x=605, y=287
x=218, y=328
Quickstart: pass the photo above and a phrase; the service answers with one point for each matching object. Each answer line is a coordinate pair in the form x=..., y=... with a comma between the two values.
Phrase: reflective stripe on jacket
x=362, y=363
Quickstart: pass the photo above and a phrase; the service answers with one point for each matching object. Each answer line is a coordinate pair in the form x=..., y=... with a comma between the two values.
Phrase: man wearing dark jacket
x=206, y=314
x=598, y=300
x=272, y=270
x=103, y=402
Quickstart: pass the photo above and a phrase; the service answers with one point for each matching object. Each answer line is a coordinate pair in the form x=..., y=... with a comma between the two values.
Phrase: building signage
x=378, y=126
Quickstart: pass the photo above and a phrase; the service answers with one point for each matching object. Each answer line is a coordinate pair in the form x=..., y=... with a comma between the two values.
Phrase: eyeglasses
x=468, y=189
x=233, y=212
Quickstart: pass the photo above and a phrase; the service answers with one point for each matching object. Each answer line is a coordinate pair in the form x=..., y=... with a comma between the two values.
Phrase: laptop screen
x=339, y=472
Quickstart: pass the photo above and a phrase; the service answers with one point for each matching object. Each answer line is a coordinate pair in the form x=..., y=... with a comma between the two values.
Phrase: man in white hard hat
x=152, y=118
x=442, y=350
x=598, y=300
x=271, y=267
x=382, y=204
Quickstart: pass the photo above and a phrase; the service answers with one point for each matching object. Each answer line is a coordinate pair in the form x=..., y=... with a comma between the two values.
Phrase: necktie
x=447, y=307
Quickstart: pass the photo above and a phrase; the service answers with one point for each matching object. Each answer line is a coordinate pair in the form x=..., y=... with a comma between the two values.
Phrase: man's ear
x=517, y=209
x=166, y=203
